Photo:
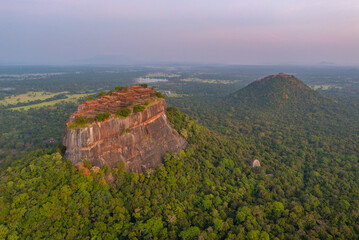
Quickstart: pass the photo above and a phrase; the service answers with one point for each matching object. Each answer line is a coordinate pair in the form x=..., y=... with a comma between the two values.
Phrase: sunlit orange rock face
x=140, y=140
x=114, y=101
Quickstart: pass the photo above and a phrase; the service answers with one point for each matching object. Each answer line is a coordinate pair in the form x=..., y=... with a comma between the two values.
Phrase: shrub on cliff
x=126, y=131
x=102, y=116
x=101, y=94
x=80, y=122
x=119, y=88
x=158, y=94
x=89, y=98
x=124, y=112
x=137, y=109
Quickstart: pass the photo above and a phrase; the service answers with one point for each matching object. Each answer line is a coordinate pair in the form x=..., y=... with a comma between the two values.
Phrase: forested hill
x=276, y=104
x=283, y=103
x=281, y=92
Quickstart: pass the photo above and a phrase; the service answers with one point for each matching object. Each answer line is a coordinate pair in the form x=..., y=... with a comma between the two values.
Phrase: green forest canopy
x=208, y=190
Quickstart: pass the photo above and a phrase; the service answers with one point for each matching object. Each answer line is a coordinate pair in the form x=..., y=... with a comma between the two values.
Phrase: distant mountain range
x=108, y=59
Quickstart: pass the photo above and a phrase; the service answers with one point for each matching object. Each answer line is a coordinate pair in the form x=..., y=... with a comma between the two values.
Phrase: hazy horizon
x=254, y=32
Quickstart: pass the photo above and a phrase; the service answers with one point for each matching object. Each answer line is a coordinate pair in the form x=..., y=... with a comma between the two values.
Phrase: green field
x=71, y=98
x=28, y=97
x=213, y=81
x=176, y=95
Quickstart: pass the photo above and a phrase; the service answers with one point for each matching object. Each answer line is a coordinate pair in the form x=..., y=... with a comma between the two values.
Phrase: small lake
x=150, y=80
x=7, y=89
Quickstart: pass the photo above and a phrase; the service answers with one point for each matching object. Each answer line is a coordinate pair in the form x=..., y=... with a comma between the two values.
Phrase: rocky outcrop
x=255, y=163
x=140, y=140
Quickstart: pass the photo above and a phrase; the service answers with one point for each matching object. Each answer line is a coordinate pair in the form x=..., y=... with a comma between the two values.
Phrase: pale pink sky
x=227, y=31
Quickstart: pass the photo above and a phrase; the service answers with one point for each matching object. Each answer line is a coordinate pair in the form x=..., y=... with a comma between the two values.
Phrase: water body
x=7, y=89
x=150, y=80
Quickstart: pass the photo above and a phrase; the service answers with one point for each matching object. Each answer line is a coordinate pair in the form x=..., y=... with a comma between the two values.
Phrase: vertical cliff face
x=140, y=140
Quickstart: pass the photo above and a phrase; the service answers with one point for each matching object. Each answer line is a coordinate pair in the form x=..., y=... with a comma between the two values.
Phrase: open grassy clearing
x=28, y=97
x=71, y=98
x=176, y=95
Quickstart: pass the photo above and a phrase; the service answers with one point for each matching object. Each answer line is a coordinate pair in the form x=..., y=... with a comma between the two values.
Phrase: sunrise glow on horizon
x=205, y=31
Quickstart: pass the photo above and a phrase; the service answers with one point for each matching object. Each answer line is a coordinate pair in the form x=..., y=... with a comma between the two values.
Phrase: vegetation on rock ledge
x=102, y=116
x=137, y=109
x=80, y=122
x=124, y=112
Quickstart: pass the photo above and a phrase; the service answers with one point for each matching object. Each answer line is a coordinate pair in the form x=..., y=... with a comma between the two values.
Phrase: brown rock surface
x=141, y=140
x=114, y=101
x=255, y=163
